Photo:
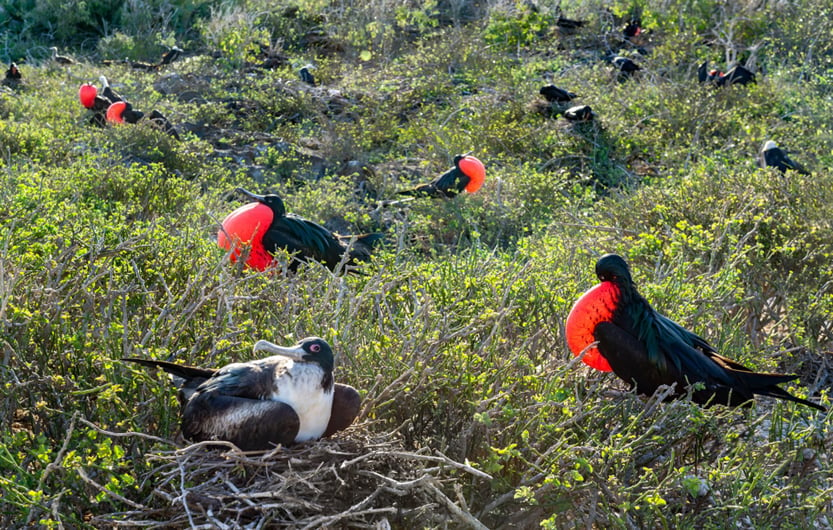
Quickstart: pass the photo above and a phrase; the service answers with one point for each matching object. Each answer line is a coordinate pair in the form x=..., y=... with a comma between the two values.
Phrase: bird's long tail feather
x=179, y=370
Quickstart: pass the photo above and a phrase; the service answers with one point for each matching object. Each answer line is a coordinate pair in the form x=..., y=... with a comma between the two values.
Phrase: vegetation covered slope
x=454, y=333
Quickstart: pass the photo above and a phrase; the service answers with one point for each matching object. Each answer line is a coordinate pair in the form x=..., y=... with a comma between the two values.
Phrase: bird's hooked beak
x=249, y=194
x=293, y=352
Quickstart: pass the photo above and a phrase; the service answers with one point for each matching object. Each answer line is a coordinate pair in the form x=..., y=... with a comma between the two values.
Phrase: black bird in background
x=737, y=75
x=467, y=174
x=647, y=350
x=555, y=94
x=579, y=113
x=773, y=156
x=13, y=76
x=306, y=76
x=625, y=66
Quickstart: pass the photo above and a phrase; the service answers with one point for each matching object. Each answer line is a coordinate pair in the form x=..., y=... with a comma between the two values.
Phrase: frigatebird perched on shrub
x=647, y=350
x=554, y=94
x=467, y=174
x=579, y=113
x=306, y=76
x=625, y=66
x=13, y=76
x=61, y=59
x=774, y=156
x=266, y=227
x=287, y=398
x=632, y=29
x=569, y=23
x=737, y=75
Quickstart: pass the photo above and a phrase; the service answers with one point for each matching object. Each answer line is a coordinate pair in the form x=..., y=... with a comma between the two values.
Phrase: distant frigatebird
x=467, y=175
x=774, y=156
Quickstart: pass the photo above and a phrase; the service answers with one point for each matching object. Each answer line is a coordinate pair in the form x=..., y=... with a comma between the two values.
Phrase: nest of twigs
x=358, y=480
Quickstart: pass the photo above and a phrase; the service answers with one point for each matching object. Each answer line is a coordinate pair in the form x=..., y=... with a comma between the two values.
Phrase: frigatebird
x=306, y=76
x=60, y=59
x=287, y=398
x=267, y=227
x=467, y=174
x=625, y=66
x=13, y=76
x=774, y=156
x=161, y=122
x=171, y=55
x=632, y=29
x=579, y=113
x=648, y=350
x=555, y=94
x=123, y=112
x=737, y=75
x=568, y=23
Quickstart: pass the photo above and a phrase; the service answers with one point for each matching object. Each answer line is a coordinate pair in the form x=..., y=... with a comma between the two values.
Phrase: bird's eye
x=315, y=348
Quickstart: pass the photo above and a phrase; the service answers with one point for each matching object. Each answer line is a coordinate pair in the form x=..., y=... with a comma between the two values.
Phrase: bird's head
x=769, y=145
x=613, y=268
x=472, y=168
x=274, y=202
x=308, y=350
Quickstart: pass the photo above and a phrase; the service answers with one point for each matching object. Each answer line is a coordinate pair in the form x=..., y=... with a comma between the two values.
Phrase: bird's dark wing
x=629, y=359
x=250, y=424
x=738, y=75
x=452, y=181
x=702, y=72
x=252, y=380
x=346, y=404
x=305, y=238
x=160, y=121
x=777, y=158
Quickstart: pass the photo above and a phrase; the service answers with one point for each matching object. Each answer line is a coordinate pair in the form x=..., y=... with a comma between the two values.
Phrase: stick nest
x=356, y=480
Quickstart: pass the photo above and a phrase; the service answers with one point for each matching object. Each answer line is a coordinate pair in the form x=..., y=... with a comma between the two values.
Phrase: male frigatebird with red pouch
x=467, y=174
x=266, y=227
x=286, y=398
x=648, y=350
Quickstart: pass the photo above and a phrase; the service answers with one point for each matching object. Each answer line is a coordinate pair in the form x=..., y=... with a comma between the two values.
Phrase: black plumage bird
x=267, y=227
x=774, y=156
x=171, y=55
x=467, y=174
x=632, y=29
x=306, y=76
x=555, y=94
x=625, y=66
x=579, y=113
x=286, y=398
x=568, y=23
x=13, y=76
x=647, y=350
x=737, y=75
x=161, y=122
